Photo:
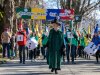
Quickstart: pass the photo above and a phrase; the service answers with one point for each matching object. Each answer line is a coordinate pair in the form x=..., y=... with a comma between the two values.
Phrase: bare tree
x=81, y=7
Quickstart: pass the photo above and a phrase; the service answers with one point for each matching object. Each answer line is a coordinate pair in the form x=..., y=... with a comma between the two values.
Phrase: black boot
x=56, y=71
x=52, y=70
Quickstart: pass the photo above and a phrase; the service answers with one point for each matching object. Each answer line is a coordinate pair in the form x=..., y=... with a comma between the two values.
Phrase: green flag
x=84, y=31
x=33, y=28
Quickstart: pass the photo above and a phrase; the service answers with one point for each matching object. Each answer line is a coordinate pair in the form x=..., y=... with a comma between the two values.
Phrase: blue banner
x=52, y=13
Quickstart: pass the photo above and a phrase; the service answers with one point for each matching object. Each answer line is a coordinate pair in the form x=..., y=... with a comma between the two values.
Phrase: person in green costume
x=44, y=42
x=55, y=44
x=32, y=53
x=71, y=46
x=81, y=45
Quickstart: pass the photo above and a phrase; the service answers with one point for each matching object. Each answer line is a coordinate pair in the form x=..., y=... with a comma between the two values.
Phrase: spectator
x=5, y=37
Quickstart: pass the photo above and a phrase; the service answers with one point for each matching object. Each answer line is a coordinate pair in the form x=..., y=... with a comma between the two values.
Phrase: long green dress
x=55, y=42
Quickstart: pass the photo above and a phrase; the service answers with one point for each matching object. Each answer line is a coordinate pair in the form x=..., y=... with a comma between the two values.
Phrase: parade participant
x=87, y=40
x=44, y=42
x=96, y=41
x=21, y=40
x=5, y=37
x=32, y=53
x=55, y=42
x=12, y=41
x=72, y=42
x=81, y=45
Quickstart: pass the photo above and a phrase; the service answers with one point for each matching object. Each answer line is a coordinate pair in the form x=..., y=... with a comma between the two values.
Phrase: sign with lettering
x=20, y=37
x=63, y=14
x=48, y=14
x=31, y=13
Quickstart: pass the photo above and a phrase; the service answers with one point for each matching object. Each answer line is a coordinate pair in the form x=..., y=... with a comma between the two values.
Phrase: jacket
x=21, y=38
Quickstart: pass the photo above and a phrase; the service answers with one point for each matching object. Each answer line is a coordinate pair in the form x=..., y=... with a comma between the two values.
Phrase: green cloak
x=55, y=42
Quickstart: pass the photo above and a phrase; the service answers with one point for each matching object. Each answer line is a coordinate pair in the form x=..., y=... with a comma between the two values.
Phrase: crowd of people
x=53, y=47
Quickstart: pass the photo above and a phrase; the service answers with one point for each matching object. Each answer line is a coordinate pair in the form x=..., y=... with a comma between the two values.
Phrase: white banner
x=91, y=49
x=32, y=43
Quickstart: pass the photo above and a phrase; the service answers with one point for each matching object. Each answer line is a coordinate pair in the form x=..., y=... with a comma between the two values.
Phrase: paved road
x=82, y=67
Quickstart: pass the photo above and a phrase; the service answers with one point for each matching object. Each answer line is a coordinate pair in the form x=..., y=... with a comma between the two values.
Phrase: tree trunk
x=9, y=13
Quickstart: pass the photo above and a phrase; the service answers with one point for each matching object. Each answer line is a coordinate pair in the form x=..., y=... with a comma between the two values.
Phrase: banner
x=49, y=14
x=62, y=14
x=24, y=13
x=66, y=14
x=52, y=13
x=38, y=13
x=28, y=13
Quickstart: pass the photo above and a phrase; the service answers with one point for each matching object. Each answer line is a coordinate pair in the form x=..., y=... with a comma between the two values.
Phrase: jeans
x=70, y=52
x=6, y=46
x=22, y=54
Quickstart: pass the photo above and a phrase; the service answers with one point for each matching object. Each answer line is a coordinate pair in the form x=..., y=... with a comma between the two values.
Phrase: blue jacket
x=96, y=40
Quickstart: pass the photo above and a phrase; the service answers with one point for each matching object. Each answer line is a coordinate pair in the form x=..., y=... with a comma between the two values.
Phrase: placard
x=69, y=35
x=20, y=37
x=32, y=43
x=91, y=49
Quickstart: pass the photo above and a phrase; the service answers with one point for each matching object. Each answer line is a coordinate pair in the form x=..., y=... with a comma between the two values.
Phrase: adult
x=5, y=37
x=21, y=40
x=96, y=41
x=12, y=44
x=71, y=46
x=55, y=43
x=81, y=45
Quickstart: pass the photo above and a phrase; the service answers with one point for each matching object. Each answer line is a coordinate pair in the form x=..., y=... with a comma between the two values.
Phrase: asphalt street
x=39, y=67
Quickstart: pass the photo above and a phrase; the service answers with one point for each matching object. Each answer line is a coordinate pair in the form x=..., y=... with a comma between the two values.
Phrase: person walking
x=71, y=46
x=96, y=41
x=12, y=44
x=87, y=40
x=5, y=38
x=55, y=44
x=81, y=45
x=21, y=40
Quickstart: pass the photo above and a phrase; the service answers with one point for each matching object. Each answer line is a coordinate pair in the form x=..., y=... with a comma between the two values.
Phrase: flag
x=33, y=28
x=71, y=24
x=96, y=29
x=84, y=31
x=89, y=29
x=27, y=31
x=47, y=30
x=62, y=27
x=36, y=28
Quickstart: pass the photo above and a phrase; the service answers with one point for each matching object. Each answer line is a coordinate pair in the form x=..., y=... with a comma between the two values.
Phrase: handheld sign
x=20, y=37
x=91, y=49
x=31, y=43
